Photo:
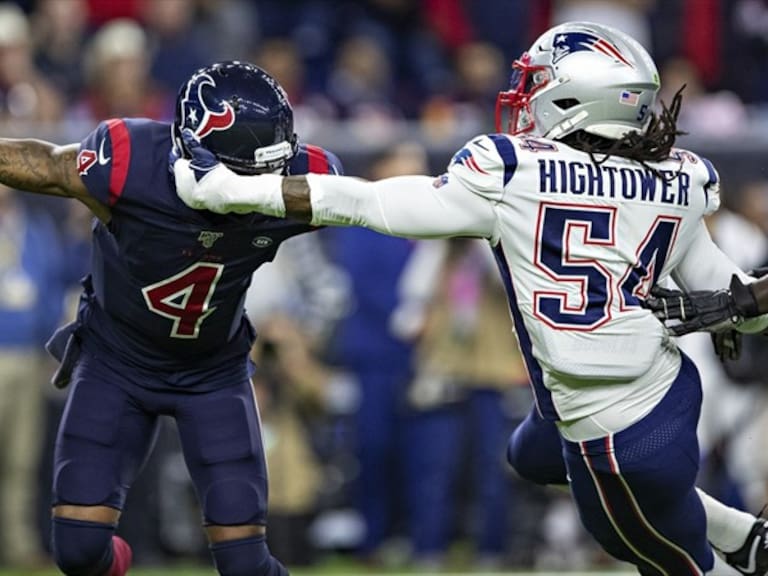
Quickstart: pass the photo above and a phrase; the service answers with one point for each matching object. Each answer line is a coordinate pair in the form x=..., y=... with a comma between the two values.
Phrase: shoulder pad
x=310, y=159
x=485, y=164
x=711, y=187
x=706, y=176
x=104, y=158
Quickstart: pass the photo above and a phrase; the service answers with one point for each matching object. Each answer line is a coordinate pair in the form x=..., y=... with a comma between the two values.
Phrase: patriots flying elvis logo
x=465, y=158
x=196, y=113
x=570, y=42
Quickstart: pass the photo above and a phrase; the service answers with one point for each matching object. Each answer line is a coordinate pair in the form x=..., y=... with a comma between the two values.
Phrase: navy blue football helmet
x=241, y=114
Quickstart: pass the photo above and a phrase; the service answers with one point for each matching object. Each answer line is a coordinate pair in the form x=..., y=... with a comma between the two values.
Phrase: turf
x=322, y=571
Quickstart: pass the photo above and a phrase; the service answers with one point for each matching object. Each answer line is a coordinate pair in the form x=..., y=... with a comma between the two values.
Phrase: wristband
x=743, y=298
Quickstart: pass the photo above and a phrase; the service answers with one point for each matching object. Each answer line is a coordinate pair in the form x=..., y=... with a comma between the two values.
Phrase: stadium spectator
x=282, y=56
x=117, y=77
x=465, y=370
x=59, y=33
x=466, y=108
x=629, y=16
x=176, y=48
x=291, y=389
x=706, y=113
x=380, y=362
x=31, y=302
x=25, y=95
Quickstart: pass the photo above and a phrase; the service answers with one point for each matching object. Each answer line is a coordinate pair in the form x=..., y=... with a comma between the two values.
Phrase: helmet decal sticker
x=569, y=42
x=196, y=113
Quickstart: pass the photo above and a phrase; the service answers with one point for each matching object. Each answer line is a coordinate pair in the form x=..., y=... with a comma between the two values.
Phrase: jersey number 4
x=563, y=232
x=185, y=297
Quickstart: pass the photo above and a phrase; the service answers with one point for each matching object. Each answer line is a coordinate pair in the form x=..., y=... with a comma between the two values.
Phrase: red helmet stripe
x=610, y=50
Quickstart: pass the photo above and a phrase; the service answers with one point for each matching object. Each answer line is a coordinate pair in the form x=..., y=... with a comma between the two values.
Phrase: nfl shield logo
x=207, y=239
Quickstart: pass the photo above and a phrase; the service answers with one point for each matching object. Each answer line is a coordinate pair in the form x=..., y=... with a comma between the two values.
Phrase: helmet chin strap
x=566, y=126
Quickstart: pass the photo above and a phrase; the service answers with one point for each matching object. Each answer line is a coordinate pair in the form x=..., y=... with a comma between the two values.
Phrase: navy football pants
x=634, y=489
x=108, y=430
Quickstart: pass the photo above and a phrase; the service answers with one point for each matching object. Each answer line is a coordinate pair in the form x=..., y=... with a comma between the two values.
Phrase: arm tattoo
x=296, y=198
x=41, y=167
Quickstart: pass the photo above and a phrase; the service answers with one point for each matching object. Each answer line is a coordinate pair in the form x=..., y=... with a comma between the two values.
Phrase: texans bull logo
x=197, y=115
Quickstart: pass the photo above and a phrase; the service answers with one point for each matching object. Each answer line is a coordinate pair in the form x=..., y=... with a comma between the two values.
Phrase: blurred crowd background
x=389, y=377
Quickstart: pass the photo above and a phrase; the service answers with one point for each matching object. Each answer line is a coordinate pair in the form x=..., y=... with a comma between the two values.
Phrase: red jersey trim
x=121, y=158
x=318, y=161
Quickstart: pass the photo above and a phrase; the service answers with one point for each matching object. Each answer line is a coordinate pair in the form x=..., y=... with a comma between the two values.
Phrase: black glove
x=727, y=344
x=702, y=309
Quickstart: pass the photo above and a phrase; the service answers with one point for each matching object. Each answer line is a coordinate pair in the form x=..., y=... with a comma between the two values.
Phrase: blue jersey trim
x=542, y=396
x=507, y=152
x=713, y=176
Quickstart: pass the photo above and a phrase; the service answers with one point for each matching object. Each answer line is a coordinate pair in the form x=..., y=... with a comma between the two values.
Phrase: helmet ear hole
x=566, y=103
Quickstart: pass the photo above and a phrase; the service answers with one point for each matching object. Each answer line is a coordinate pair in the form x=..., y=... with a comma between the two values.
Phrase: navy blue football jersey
x=168, y=282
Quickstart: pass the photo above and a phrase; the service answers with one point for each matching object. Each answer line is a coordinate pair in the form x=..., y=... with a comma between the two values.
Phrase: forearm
x=705, y=266
x=408, y=206
x=40, y=167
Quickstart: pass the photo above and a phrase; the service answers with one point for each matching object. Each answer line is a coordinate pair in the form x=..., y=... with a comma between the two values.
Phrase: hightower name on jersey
x=581, y=178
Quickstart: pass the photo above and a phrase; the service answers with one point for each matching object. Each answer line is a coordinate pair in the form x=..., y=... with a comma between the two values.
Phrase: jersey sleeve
x=706, y=267
x=410, y=206
x=334, y=164
x=712, y=187
x=104, y=159
x=321, y=161
x=708, y=179
x=485, y=165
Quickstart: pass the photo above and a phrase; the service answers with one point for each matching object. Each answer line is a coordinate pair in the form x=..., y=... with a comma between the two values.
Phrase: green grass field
x=181, y=571
x=332, y=568
x=345, y=566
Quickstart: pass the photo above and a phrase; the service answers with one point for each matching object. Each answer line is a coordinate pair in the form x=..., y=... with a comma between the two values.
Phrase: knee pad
x=536, y=454
x=234, y=502
x=82, y=548
x=246, y=557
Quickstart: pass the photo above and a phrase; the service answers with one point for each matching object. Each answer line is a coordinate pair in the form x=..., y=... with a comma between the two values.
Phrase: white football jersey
x=578, y=244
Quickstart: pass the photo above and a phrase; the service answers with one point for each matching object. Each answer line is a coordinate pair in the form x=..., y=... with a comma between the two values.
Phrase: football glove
x=709, y=310
x=727, y=344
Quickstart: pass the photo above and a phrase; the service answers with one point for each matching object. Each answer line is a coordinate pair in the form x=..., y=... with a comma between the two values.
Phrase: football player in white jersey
x=586, y=205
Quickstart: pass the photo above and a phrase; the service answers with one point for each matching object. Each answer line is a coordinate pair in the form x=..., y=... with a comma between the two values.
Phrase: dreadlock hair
x=653, y=145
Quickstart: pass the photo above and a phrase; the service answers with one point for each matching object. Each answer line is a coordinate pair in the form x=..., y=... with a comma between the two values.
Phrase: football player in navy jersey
x=161, y=328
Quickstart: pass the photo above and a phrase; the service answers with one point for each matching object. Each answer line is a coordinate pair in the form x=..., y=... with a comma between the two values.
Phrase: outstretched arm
x=400, y=206
x=412, y=206
x=44, y=168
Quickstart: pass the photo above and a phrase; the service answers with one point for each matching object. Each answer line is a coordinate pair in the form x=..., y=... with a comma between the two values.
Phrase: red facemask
x=526, y=80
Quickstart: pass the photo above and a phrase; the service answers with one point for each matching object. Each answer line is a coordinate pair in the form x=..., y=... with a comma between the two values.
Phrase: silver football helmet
x=580, y=76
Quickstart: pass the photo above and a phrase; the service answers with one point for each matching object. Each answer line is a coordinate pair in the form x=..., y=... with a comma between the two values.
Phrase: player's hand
x=192, y=174
x=727, y=344
x=204, y=183
x=699, y=310
x=202, y=160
